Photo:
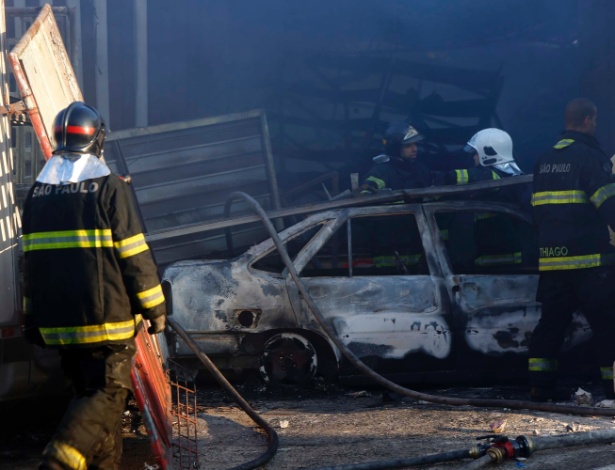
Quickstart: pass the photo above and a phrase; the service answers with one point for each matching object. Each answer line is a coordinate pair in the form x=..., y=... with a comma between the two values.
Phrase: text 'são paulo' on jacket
x=85, y=251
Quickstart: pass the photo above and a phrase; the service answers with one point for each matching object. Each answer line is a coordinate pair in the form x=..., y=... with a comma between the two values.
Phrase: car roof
x=472, y=195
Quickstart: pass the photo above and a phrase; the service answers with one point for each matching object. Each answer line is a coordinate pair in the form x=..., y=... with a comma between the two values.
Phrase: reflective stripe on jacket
x=573, y=203
x=88, y=271
x=397, y=173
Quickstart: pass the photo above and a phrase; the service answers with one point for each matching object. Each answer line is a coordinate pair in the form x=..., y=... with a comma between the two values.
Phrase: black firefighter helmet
x=399, y=134
x=79, y=128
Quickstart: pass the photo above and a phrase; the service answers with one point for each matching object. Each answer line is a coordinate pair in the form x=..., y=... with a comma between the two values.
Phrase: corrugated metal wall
x=183, y=173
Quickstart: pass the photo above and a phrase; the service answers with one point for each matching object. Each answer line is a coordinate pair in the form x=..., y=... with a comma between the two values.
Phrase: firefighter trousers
x=562, y=293
x=89, y=434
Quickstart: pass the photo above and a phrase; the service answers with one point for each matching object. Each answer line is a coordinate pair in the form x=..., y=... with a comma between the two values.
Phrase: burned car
x=418, y=291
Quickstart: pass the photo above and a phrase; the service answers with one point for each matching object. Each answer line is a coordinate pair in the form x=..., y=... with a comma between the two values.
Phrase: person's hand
x=157, y=325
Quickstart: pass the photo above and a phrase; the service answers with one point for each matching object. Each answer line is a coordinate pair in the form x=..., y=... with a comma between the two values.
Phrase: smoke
x=216, y=57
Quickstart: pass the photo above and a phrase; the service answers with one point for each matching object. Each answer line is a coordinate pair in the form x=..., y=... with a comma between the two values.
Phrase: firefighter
x=573, y=203
x=495, y=240
x=398, y=168
x=89, y=278
x=492, y=151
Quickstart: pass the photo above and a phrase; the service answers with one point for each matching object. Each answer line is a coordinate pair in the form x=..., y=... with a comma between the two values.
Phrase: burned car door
x=491, y=271
x=373, y=275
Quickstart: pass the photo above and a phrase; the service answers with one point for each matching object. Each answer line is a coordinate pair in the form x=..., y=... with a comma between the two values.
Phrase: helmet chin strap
x=97, y=145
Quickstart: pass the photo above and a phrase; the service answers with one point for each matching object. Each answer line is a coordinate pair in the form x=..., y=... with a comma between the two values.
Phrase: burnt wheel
x=288, y=358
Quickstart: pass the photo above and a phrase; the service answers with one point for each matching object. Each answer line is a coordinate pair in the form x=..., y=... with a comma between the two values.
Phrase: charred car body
x=418, y=291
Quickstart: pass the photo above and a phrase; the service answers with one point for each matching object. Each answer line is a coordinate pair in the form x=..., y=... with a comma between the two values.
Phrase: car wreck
x=418, y=291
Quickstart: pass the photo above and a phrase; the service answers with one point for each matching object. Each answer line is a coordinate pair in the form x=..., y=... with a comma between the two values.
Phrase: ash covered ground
x=330, y=425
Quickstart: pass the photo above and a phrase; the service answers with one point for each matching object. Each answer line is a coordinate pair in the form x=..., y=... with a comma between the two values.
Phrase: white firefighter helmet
x=494, y=148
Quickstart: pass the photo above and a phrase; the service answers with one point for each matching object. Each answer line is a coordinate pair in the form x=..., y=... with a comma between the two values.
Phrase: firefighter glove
x=157, y=325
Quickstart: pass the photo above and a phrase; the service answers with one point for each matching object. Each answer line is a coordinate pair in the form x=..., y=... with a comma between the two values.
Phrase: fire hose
x=499, y=449
x=272, y=436
x=522, y=446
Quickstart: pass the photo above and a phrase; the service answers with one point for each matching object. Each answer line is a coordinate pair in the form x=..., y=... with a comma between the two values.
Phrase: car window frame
x=267, y=246
x=432, y=208
x=309, y=251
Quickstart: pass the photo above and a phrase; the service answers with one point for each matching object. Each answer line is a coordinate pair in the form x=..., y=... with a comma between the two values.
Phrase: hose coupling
x=524, y=447
x=497, y=454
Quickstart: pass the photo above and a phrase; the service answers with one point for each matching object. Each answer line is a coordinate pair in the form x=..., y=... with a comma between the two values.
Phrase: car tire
x=288, y=359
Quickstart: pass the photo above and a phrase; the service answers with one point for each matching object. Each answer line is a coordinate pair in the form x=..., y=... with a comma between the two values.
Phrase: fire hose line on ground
x=356, y=362
x=524, y=446
x=500, y=449
x=272, y=436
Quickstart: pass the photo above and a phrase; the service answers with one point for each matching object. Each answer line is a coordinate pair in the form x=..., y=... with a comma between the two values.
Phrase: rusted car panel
x=428, y=303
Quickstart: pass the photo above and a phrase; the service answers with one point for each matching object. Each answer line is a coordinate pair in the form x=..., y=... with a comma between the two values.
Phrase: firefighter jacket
x=88, y=271
x=516, y=194
x=396, y=173
x=573, y=203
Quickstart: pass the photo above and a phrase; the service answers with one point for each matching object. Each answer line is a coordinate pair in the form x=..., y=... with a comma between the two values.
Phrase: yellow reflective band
x=131, y=246
x=541, y=364
x=602, y=194
x=89, y=334
x=68, y=239
x=380, y=184
x=151, y=297
x=26, y=305
x=563, y=144
x=569, y=262
x=483, y=216
x=606, y=373
x=462, y=176
x=494, y=260
x=495, y=176
x=559, y=197
x=66, y=454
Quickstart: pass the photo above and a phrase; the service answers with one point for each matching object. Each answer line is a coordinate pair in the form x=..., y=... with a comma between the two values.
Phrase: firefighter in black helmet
x=398, y=168
x=89, y=279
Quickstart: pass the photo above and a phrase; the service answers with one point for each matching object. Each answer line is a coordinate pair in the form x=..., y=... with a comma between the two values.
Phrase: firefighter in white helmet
x=493, y=159
x=495, y=238
x=492, y=151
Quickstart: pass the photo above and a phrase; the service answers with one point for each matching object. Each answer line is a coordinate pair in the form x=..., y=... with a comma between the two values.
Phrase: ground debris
x=338, y=426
